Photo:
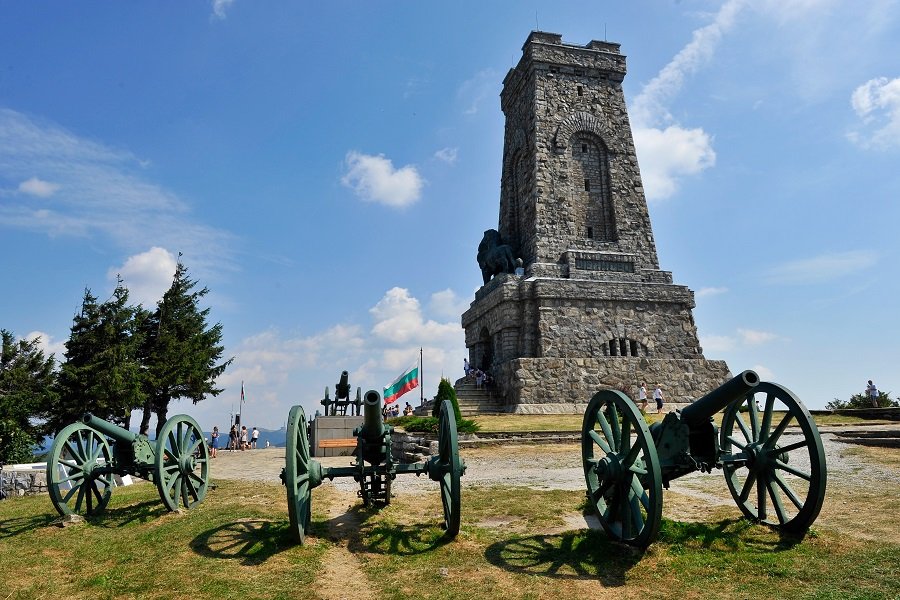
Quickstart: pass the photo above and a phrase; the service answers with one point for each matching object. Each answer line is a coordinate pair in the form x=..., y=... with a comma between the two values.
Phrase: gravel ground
x=540, y=467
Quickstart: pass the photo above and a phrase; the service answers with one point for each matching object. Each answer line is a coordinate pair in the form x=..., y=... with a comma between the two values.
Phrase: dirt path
x=863, y=484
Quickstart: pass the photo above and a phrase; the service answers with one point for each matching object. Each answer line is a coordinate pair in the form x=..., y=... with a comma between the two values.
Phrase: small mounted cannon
x=341, y=401
x=776, y=477
x=82, y=465
x=374, y=468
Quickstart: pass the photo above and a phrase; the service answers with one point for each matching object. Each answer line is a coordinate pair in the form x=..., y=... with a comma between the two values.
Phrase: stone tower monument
x=590, y=307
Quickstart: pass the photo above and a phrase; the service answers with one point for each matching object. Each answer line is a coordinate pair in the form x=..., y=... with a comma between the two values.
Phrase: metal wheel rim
x=76, y=449
x=182, y=463
x=772, y=482
x=296, y=474
x=448, y=453
x=622, y=472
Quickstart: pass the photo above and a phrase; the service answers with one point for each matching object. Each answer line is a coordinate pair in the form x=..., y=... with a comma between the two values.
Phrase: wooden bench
x=338, y=443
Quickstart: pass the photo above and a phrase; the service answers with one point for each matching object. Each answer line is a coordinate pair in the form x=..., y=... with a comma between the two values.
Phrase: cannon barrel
x=120, y=434
x=342, y=387
x=373, y=422
x=702, y=409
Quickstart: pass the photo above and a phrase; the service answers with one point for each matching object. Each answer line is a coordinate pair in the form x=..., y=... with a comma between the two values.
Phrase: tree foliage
x=102, y=373
x=446, y=392
x=863, y=401
x=26, y=385
x=181, y=352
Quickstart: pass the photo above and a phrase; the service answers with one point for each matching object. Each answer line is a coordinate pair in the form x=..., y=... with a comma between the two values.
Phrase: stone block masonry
x=593, y=309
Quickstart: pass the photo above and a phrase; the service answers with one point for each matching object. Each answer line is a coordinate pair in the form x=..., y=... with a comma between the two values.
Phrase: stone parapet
x=565, y=386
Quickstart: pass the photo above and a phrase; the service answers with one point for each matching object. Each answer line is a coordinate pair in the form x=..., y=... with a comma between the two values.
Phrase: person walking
x=872, y=393
x=243, y=437
x=658, y=396
x=254, y=438
x=466, y=368
x=642, y=397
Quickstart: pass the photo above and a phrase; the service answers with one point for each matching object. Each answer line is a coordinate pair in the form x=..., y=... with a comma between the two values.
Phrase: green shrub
x=16, y=446
x=863, y=401
x=430, y=424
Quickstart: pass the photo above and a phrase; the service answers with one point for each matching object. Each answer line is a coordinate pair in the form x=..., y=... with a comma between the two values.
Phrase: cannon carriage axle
x=374, y=468
x=776, y=477
x=83, y=464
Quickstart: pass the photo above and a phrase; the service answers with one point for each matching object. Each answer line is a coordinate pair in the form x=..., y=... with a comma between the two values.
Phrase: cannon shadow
x=141, y=512
x=570, y=555
x=405, y=539
x=249, y=541
x=737, y=534
x=13, y=527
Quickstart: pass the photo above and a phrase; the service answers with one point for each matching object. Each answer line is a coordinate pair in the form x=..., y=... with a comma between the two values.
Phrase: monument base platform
x=566, y=385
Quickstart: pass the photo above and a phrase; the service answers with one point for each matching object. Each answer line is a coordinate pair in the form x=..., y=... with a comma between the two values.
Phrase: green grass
x=514, y=543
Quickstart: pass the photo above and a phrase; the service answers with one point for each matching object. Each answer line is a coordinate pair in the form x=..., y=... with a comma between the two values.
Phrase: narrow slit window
x=634, y=348
x=590, y=233
x=587, y=185
x=580, y=91
x=623, y=347
x=584, y=148
x=612, y=347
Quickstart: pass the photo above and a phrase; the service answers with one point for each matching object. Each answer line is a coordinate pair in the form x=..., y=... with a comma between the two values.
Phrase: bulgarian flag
x=408, y=381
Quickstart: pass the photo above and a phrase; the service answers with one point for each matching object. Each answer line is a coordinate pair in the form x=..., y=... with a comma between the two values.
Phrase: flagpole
x=421, y=380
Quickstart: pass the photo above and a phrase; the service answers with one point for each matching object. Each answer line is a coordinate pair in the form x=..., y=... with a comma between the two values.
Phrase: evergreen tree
x=180, y=351
x=26, y=385
x=102, y=373
x=446, y=392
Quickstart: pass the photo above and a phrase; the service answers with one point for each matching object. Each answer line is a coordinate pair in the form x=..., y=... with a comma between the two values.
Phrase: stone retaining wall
x=412, y=447
x=23, y=480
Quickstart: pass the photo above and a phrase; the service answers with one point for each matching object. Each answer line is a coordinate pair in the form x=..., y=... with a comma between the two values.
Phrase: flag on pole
x=242, y=392
x=408, y=381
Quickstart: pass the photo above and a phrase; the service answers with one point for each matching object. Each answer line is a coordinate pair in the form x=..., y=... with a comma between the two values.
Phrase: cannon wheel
x=621, y=468
x=74, y=489
x=182, y=463
x=762, y=471
x=296, y=474
x=450, y=468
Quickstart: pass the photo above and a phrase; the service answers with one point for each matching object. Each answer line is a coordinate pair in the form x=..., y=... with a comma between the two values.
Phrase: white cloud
x=710, y=291
x=765, y=373
x=716, y=343
x=752, y=337
x=447, y=303
x=819, y=269
x=447, y=155
x=669, y=154
x=147, y=275
x=38, y=187
x=103, y=191
x=220, y=8
x=877, y=103
x=375, y=179
x=281, y=370
x=48, y=345
x=473, y=92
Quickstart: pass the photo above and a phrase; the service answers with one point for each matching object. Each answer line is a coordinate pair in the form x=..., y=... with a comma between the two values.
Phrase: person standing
x=233, y=438
x=642, y=397
x=466, y=368
x=658, y=396
x=872, y=393
x=243, y=437
x=254, y=438
x=213, y=442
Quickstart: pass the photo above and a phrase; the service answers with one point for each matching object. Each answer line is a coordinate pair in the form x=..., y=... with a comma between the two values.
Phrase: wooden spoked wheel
x=79, y=471
x=182, y=463
x=773, y=458
x=621, y=469
x=297, y=474
x=450, y=468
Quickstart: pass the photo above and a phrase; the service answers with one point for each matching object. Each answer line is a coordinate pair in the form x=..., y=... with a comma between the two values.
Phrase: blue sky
x=327, y=171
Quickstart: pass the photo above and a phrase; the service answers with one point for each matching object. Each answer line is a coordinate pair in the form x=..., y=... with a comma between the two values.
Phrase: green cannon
x=374, y=467
x=768, y=448
x=82, y=465
x=341, y=401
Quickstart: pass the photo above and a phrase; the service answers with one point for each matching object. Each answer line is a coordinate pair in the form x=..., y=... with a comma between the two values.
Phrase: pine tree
x=446, y=392
x=102, y=373
x=26, y=385
x=180, y=350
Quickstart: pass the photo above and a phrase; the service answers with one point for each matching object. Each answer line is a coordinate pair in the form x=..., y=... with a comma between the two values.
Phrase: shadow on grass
x=125, y=515
x=13, y=527
x=362, y=535
x=730, y=535
x=570, y=555
x=250, y=541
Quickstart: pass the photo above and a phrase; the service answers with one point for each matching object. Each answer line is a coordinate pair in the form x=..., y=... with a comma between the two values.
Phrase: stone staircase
x=472, y=400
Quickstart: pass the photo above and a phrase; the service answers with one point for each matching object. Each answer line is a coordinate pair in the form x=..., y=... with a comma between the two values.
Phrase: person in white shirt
x=658, y=396
x=642, y=397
